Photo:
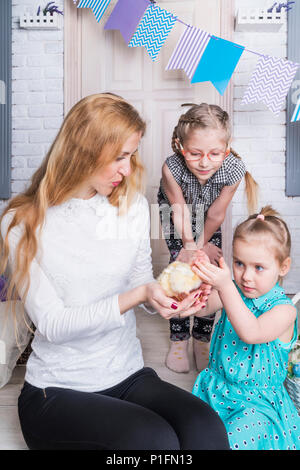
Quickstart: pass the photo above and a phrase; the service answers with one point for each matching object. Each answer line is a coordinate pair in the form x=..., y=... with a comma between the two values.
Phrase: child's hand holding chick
x=217, y=277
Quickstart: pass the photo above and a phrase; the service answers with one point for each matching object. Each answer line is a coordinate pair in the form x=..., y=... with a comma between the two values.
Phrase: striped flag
x=153, y=30
x=189, y=50
x=296, y=115
x=98, y=6
x=270, y=82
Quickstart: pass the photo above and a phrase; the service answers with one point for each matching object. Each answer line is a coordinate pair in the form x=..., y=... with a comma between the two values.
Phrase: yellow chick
x=177, y=279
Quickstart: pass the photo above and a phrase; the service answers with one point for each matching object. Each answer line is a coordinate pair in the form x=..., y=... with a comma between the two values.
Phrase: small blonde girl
x=244, y=381
x=203, y=174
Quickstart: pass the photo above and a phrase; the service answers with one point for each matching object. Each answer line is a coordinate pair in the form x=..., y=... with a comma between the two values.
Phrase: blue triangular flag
x=98, y=7
x=218, y=63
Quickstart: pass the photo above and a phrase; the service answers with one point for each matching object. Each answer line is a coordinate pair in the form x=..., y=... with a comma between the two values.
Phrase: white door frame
x=73, y=85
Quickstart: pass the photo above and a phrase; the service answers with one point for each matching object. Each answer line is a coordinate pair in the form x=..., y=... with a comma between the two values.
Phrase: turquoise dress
x=244, y=384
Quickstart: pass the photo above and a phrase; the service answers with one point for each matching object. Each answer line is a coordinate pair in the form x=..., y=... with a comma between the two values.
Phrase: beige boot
x=178, y=356
x=201, y=354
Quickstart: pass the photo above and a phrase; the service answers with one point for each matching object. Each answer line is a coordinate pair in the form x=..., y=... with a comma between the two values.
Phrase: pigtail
x=173, y=142
x=268, y=211
x=251, y=188
x=235, y=154
x=225, y=119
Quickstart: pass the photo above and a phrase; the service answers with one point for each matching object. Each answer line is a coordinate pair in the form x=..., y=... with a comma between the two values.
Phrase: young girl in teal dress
x=244, y=381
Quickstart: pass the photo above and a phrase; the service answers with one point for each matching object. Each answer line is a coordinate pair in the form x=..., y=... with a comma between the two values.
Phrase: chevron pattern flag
x=98, y=6
x=189, y=50
x=296, y=114
x=153, y=30
x=270, y=82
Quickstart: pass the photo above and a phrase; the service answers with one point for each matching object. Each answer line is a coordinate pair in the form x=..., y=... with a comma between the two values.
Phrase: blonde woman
x=77, y=245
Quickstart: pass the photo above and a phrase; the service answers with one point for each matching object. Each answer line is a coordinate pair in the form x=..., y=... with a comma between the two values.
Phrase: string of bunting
x=143, y=23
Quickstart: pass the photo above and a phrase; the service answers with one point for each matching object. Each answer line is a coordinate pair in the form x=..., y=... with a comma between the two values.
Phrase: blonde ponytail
x=268, y=211
x=251, y=188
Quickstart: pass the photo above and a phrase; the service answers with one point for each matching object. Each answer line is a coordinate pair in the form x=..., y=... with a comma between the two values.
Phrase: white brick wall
x=37, y=93
x=259, y=137
x=38, y=113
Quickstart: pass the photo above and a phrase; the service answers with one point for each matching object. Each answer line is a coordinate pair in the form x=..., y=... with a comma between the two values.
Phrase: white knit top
x=88, y=255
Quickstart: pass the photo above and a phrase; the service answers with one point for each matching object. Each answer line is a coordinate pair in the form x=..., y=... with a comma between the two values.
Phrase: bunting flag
x=296, y=114
x=270, y=82
x=153, y=30
x=126, y=16
x=189, y=50
x=218, y=63
x=98, y=6
x=202, y=56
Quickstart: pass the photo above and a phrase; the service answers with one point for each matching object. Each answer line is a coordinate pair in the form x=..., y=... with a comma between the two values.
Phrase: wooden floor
x=153, y=332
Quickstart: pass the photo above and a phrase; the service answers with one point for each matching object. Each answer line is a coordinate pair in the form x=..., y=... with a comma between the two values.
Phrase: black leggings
x=141, y=413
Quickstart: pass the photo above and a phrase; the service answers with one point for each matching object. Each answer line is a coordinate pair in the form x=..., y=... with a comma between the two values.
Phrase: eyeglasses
x=214, y=156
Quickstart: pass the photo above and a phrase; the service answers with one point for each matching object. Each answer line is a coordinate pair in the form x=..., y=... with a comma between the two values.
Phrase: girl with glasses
x=198, y=183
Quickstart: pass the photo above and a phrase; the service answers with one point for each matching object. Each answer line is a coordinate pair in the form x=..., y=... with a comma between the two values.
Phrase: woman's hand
x=213, y=252
x=168, y=307
x=189, y=256
x=218, y=277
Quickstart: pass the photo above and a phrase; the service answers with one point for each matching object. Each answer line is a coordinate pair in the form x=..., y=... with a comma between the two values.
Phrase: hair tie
x=261, y=216
x=188, y=104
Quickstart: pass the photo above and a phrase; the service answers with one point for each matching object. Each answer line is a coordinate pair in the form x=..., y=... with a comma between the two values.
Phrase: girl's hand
x=218, y=277
x=168, y=307
x=202, y=257
x=213, y=252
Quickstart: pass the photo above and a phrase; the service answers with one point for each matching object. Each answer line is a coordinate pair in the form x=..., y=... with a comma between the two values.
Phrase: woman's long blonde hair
x=91, y=136
x=210, y=116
